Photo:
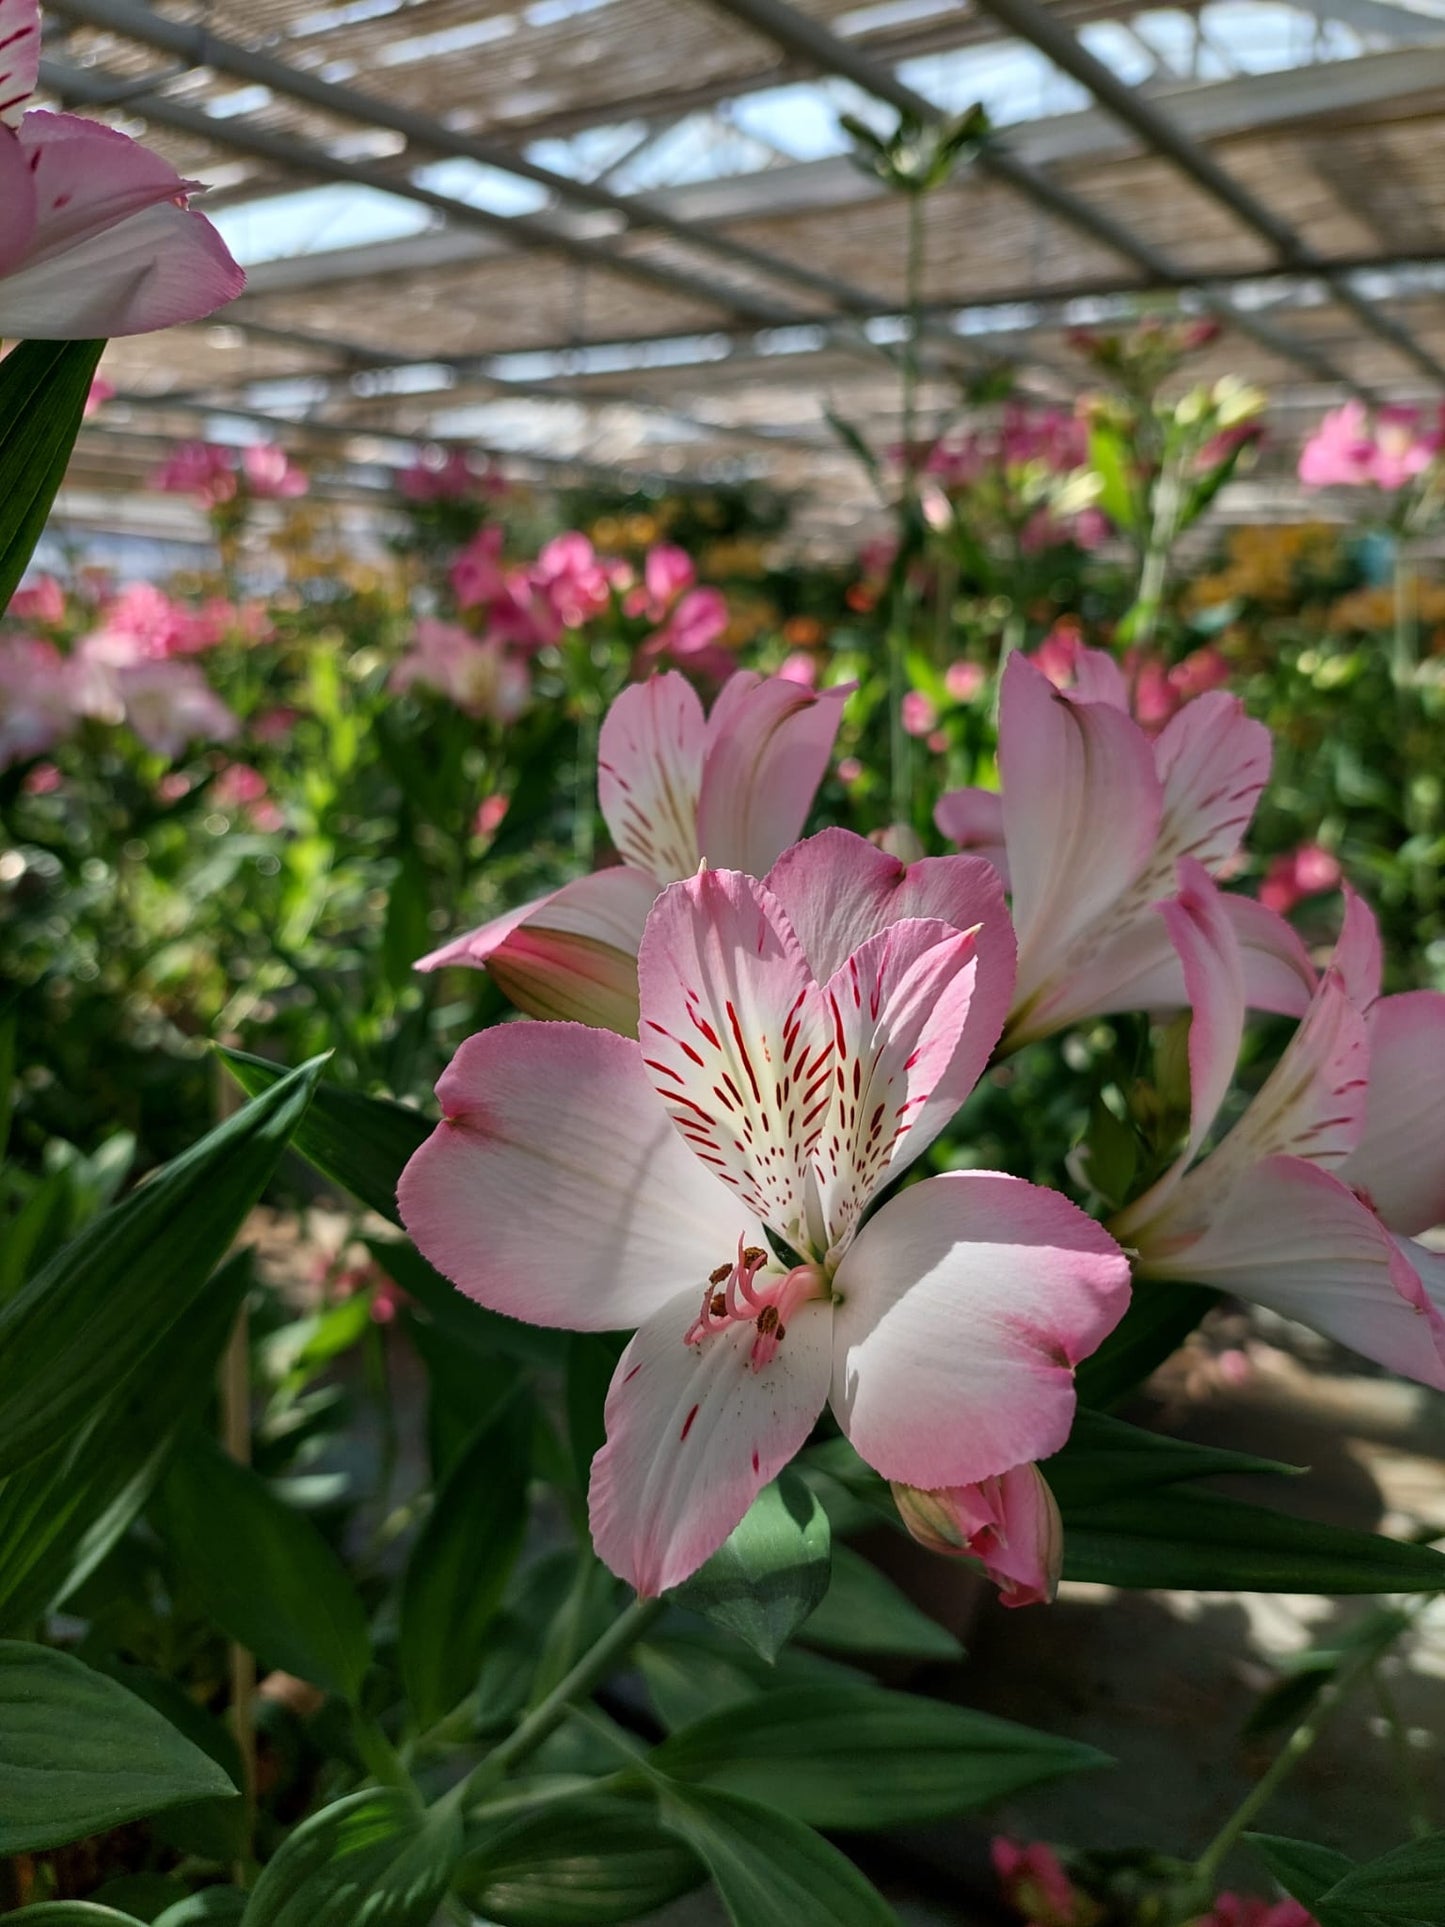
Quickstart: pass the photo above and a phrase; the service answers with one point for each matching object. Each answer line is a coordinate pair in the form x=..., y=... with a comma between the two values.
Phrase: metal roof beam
x=1054, y=37
x=810, y=40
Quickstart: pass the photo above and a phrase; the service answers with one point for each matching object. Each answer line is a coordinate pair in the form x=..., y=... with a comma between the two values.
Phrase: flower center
x=742, y=1293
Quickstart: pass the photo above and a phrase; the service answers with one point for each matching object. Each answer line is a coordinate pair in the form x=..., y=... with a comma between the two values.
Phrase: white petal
x=649, y=773
x=962, y=1310
x=694, y=1433
x=556, y=1190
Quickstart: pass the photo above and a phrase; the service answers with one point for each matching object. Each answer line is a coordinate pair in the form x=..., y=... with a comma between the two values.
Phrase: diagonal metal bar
x=809, y=40
x=202, y=48
x=96, y=88
x=1054, y=37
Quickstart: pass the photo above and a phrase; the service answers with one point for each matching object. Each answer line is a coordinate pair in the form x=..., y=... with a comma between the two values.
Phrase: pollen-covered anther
x=765, y=1302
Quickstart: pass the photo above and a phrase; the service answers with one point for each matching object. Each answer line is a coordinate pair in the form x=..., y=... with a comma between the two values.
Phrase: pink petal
x=1278, y=974
x=694, y=1432
x=1399, y=1163
x=1295, y=1239
x=17, y=202
x=19, y=54
x=1214, y=989
x=1357, y=960
x=649, y=773
x=962, y=1309
x=555, y=1189
x=1098, y=678
x=1213, y=762
x=973, y=819
x=839, y=890
x=769, y=742
x=1011, y=1524
x=736, y=1038
x=898, y=1006
x=112, y=253
x=571, y=955
x=1081, y=808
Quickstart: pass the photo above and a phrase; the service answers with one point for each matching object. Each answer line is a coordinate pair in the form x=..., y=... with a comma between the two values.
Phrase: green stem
x=1404, y=646
x=1154, y=567
x=380, y=1757
x=1410, y=1788
x=539, y=1725
x=1303, y=1737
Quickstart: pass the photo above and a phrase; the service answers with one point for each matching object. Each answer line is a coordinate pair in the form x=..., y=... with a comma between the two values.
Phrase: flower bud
x=1010, y=1524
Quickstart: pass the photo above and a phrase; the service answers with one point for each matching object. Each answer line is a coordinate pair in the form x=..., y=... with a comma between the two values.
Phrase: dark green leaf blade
x=864, y=1612
x=461, y=1562
x=860, y=1757
x=43, y=390
x=1192, y=1540
x=1402, y=1887
x=361, y=1143
x=78, y=1754
x=585, y=1862
x=102, y=1305
x=770, y=1574
x=1106, y=1458
x=771, y=1870
x=374, y=1859
x=1159, y=1319
x=262, y=1571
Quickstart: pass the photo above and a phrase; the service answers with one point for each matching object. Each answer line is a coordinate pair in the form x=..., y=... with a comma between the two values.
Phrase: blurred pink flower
x=918, y=713
x=476, y=674
x=200, y=469
x=37, y=698
x=1234, y=1910
x=274, y=725
x=691, y=635
x=1346, y=450
x=170, y=705
x=477, y=575
x=963, y=680
x=491, y=813
x=440, y=477
x=666, y=572
x=43, y=780
x=239, y=787
x=800, y=668
x=1035, y=1884
x=101, y=391
x=570, y=574
x=270, y=473
x=142, y=623
x=43, y=601
x=849, y=769
x=1307, y=871
x=95, y=235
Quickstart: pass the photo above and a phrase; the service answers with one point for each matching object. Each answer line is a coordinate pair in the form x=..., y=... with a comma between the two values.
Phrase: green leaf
x=864, y=1612
x=1305, y=1871
x=770, y=1573
x=1406, y=1886
x=374, y=1859
x=692, y=1671
x=857, y=1756
x=262, y=1571
x=591, y=1361
x=1109, y=458
x=101, y=1306
x=771, y=1870
x=211, y=1907
x=1199, y=1541
x=853, y=441
x=1106, y=1458
x=360, y=1143
x=579, y=1863
x=43, y=390
x=78, y=1754
x=61, y=1514
x=70, y=1913
x=1159, y=1319
x=461, y=1563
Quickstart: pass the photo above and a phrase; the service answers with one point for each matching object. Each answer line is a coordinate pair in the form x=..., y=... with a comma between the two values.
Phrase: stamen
x=766, y=1302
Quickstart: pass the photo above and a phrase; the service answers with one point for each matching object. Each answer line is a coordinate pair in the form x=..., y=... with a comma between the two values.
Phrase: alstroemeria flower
x=676, y=789
x=1093, y=817
x=1010, y=1524
x=1280, y=1213
x=711, y=1185
x=95, y=235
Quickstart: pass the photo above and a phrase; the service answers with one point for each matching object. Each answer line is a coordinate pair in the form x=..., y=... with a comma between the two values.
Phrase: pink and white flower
x=676, y=788
x=1093, y=819
x=475, y=673
x=37, y=698
x=711, y=1185
x=1340, y=1147
x=95, y=235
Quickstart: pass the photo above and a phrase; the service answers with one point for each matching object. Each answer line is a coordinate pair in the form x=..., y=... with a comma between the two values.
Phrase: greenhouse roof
x=629, y=234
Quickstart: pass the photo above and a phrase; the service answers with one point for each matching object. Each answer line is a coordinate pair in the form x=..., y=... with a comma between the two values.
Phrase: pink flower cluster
x=449, y=476
x=1350, y=450
x=45, y=696
x=1052, y=442
x=1305, y=872
x=1237, y=1910
x=143, y=623
x=479, y=674
x=1156, y=690
x=570, y=584
x=215, y=476
x=1035, y=1885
